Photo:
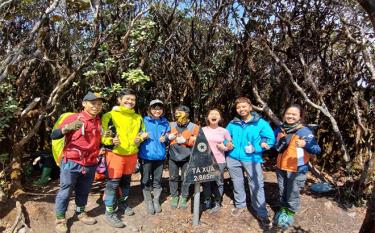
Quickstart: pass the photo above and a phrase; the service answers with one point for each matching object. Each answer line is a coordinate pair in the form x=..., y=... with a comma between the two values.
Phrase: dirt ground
x=317, y=214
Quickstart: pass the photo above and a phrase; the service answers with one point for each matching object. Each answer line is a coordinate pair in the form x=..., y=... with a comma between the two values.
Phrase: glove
x=75, y=125
x=180, y=140
x=249, y=149
x=171, y=136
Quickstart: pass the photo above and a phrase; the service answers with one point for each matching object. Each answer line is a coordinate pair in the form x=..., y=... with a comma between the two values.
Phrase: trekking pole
x=196, y=204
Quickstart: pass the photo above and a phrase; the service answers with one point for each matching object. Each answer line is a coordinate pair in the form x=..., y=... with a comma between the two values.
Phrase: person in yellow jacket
x=124, y=131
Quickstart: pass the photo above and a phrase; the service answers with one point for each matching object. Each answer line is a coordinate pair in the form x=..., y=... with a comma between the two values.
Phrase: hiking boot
x=61, y=226
x=276, y=218
x=44, y=178
x=285, y=220
x=123, y=207
x=215, y=208
x=174, y=202
x=237, y=211
x=207, y=204
x=113, y=220
x=84, y=218
x=183, y=202
x=156, y=201
x=148, y=202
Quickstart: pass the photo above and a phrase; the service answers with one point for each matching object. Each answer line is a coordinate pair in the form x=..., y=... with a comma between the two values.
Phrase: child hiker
x=152, y=154
x=216, y=136
x=251, y=135
x=82, y=133
x=295, y=145
x=182, y=138
x=121, y=161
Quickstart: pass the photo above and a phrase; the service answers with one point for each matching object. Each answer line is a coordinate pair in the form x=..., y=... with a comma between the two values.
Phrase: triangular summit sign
x=202, y=165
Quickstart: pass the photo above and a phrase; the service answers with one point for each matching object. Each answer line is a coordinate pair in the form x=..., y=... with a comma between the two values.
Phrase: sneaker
x=237, y=211
x=123, y=207
x=174, y=202
x=265, y=222
x=61, y=226
x=215, y=208
x=84, y=218
x=207, y=205
x=113, y=220
x=183, y=202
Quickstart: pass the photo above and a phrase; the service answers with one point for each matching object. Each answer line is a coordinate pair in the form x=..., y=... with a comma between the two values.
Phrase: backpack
x=58, y=144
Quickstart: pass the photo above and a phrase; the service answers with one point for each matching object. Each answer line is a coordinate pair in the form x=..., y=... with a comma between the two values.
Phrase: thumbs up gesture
x=116, y=140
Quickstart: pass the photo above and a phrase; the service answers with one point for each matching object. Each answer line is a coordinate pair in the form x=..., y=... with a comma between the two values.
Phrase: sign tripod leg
x=196, y=204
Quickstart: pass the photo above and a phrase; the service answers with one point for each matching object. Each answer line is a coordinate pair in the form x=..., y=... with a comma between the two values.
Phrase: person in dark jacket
x=152, y=153
x=182, y=138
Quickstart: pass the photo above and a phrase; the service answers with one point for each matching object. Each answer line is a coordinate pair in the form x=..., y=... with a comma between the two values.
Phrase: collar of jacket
x=123, y=109
x=254, y=118
x=87, y=116
x=162, y=119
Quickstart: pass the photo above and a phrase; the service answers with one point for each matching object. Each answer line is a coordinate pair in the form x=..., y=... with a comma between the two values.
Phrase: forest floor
x=318, y=213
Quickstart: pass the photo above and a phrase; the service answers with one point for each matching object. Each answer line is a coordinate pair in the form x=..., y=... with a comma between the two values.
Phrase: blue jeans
x=254, y=174
x=74, y=177
x=215, y=187
x=290, y=184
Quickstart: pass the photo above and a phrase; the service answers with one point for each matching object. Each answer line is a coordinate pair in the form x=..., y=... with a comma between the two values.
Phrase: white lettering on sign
x=203, y=173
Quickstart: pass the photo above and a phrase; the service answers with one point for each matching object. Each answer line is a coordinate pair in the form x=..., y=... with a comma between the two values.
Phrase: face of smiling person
x=156, y=111
x=292, y=115
x=93, y=107
x=213, y=118
x=243, y=110
x=127, y=101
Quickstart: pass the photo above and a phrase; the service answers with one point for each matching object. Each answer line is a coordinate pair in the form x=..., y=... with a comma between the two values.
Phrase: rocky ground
x=318, y=213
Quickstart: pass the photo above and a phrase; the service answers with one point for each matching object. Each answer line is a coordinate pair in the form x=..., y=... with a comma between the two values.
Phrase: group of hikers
x=128, y=138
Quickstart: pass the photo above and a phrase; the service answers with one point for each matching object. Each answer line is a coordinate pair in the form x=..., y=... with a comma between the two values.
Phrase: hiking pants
x=152, y=171
x=174, y=168
x=74, y=176
x=215, y=187
x=254, y=178
x=290, y=184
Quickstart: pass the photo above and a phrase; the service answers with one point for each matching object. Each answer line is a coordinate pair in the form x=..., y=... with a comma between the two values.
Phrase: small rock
x=328, y=205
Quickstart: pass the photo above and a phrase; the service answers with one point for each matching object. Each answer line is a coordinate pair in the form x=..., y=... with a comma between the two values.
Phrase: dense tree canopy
x=319, y=53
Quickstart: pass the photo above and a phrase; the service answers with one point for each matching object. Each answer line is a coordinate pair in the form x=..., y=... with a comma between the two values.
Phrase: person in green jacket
x=124, y=131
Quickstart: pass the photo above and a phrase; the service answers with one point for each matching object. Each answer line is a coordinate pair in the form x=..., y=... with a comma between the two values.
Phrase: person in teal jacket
x=152, y=153
x=251, y=135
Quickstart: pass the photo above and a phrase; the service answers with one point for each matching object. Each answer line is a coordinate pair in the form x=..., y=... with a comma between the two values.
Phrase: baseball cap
x=92, y=96
x=156, y=101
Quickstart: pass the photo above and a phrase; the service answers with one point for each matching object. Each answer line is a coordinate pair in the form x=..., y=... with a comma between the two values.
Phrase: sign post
x=202, y=167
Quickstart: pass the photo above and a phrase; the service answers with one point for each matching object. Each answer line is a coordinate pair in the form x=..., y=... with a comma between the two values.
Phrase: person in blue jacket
x=152, y=154
x=251, y=135
x=295, y=145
